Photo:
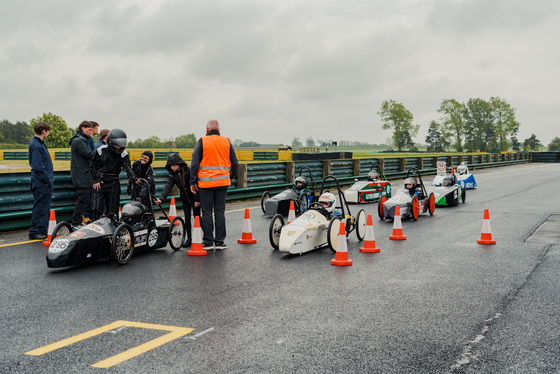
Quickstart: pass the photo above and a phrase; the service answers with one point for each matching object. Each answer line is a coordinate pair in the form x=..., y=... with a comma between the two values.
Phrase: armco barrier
x=16, y=199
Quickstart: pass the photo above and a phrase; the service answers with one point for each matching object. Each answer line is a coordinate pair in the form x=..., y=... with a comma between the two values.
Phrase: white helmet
x=462, y=169
x=328, y=198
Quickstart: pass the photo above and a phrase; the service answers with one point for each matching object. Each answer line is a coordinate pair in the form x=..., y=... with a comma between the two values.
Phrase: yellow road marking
x=175, y=332
x=25, y=242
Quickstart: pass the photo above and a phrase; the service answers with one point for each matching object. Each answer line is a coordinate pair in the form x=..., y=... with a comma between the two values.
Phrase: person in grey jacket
x=80, y=160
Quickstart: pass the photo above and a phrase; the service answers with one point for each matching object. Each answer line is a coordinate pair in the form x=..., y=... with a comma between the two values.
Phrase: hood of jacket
x=174, y=159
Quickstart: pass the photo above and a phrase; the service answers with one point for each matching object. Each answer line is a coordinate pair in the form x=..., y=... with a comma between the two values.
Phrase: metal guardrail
x=16, y=199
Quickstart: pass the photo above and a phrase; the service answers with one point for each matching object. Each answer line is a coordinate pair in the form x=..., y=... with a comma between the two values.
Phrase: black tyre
x=275, y=229
x=264, y=198
x=415, y=208
x=176, y=234
x=431, y=204
x=122, y=245
x=332, y=233
x=463, y=195
x=61, y=230
x=361, y=225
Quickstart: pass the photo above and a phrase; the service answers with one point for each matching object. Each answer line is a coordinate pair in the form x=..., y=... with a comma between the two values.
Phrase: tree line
x=476, y=125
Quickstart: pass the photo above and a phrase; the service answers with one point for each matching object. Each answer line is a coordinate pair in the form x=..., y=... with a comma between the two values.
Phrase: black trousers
x=82, y=200
x=41, y=208
x=110, y=195
x=213, y=206
x=187, y=212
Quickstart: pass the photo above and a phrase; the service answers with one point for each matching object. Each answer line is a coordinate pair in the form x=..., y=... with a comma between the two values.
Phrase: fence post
x=357, y=169
x=381, y=163
x=420, y=163
x=402, y=163
x=450, y=161
x=242, y=176
x=326, y=168
x=290, y=171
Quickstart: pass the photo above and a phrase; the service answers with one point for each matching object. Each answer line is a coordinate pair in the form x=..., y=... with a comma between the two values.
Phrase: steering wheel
x=114, y=218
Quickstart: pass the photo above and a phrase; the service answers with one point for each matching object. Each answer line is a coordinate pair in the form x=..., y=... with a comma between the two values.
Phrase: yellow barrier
x=284, y=155
x=134, y=155
x=51, y=153
x=186, y=155
x=1, y=155
x=244, y=155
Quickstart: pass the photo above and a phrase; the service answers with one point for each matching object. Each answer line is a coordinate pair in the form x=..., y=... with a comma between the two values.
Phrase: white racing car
x=319, y=226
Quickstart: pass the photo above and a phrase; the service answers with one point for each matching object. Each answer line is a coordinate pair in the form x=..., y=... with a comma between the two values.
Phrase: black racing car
x=113, y=237
x=303, y=193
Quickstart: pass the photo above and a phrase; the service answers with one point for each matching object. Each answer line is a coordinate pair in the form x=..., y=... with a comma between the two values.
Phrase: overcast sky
x=269, y=71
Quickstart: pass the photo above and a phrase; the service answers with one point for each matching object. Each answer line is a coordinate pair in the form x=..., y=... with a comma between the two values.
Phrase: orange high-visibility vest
x=215, y=166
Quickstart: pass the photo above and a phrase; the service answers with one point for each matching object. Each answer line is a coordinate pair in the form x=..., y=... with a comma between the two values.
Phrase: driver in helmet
x=411, y=186
x=461, y=169
x=328, y=203
x=373, y=176
x=300, y=184
x=448, y=181
x=107, y=163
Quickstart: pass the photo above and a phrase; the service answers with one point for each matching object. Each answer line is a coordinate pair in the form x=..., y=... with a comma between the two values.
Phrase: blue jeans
x=213, y=200
x=41, y=208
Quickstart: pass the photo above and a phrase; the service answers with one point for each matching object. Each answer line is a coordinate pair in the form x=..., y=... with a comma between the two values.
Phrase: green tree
x=505, y=122
x=515, y=144
x=532, y=143
x=296, y=142
x=309, y=142
x=395, y=116
x=453, y=123
x=554, y=145
x=480, y=131
x=185, y=141
x=59, y=135
x=434, y=137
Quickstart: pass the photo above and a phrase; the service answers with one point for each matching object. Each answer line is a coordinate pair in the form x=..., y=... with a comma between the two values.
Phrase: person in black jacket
x=179, y=175
x=143, y=192
x=80, y=160
x=106, y=166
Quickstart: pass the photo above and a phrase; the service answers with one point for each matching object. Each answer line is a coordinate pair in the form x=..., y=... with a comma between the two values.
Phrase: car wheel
x=463, y=195
x=332, y=233
x=303, y=202
x=275, y=229
x=361, y=225
x=264, y=198
x=61, y=230
x=122, y=245
x=415, y=209
x=380, y=208
x=432, y=204
x=176, y=234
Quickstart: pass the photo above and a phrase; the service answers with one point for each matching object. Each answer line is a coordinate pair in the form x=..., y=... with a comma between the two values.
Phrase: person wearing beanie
x=138, y=190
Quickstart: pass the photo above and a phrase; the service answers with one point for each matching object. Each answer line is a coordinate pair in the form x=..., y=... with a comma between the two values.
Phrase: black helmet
x=448, y=181
x=300, y=183
x=132, y=212
x=412, y=182
x=373, y=175
x=117, y=138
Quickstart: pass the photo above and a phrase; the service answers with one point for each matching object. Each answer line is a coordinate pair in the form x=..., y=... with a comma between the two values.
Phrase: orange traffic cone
x=52, y=224
x=291, y=213
x=247, y=236
x=486, y=237
x=397, y=226
x=369, y=242
x=341, y=256
x=172, y=209
x=196, y=246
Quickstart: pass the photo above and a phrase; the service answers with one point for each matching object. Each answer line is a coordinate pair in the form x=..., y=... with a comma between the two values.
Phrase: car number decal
x=58, y=245
x=76, y=234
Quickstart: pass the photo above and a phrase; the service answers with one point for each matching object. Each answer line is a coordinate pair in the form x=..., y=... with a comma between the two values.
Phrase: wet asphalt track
x=435, y=303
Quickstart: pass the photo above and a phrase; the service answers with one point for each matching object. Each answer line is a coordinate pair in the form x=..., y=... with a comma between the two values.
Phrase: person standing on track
x=42, y=177
x=213, y=163
x=106, y=166
x=81, y=155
